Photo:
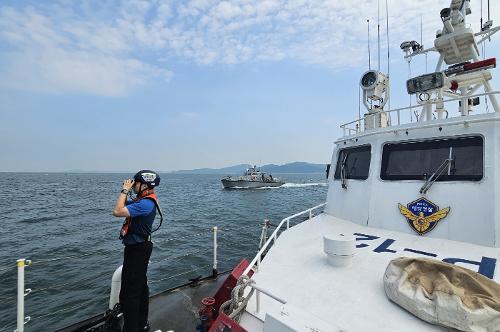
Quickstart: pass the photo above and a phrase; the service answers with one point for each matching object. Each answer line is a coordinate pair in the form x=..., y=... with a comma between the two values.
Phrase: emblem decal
x=422, y=214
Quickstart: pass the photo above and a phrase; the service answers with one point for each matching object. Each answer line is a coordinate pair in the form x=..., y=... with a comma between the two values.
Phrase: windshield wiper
x=445, y=165
x=343, y=177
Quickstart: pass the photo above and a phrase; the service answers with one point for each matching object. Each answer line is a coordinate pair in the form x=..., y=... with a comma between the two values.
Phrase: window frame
x=339, y=151
x=460, y=178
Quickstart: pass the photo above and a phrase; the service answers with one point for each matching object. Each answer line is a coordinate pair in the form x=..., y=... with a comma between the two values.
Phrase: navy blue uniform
x=134, y=293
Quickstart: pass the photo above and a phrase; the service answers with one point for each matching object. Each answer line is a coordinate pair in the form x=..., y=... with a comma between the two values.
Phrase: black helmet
x=152, y=179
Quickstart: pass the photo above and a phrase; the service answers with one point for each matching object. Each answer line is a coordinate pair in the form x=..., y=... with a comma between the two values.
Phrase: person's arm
x=120, y=210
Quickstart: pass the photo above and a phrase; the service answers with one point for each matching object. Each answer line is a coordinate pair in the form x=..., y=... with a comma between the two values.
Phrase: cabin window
x=450, y=159
x=353, y=163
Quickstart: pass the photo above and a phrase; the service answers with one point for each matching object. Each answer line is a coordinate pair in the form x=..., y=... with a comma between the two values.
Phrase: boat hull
x=229, y=184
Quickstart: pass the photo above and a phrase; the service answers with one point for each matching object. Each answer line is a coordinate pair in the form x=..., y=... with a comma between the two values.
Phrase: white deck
x=296, y=270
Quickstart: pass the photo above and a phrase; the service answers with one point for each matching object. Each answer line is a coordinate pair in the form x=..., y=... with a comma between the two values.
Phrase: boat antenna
x=359, y=106
x=369, y=51
x=489, y=10
x=422, y=39
x=481, y=20
x=378, y=32
x=421, y=33
x=388, y=45
x=388, y=40
x=409, y=95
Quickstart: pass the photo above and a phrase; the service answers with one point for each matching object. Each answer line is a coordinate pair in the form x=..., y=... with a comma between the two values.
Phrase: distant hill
x=295, y=167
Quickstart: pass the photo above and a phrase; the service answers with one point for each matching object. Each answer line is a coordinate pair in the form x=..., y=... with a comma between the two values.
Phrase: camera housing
x=374, y=84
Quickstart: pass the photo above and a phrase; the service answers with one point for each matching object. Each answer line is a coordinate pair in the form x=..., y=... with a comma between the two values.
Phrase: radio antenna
x=489, y=10
x=422, y=40
x=378, y=32
x=369, y=51
x=481, y=21
x=388, y=41
x=388, y=51
x=421, y=32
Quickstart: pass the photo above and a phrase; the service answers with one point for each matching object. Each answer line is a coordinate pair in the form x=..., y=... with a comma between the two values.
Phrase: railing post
x=21, y=293
x=257, y=301
x=287, y=223
x=214, y=268
x=310, y=213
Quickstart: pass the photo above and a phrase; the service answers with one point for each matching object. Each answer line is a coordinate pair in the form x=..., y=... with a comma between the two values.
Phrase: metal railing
x=22, y=292
x=259, y=290
x=274, y=236
x=357, y=126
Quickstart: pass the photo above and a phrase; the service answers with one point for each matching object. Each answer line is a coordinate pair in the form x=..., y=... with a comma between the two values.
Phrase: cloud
x=110, y=48
x=59, y=71
x=68, y=55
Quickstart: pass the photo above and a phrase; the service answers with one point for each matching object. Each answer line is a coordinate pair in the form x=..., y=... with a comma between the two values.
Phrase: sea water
x=63, y=223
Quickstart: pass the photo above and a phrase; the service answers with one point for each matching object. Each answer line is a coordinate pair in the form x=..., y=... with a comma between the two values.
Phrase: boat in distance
x=252, y=178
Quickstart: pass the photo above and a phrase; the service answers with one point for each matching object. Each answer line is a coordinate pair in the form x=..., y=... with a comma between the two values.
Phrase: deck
x=175, y=309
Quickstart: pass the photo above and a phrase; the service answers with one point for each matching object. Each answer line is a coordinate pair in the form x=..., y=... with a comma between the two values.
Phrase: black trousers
x=134, y=292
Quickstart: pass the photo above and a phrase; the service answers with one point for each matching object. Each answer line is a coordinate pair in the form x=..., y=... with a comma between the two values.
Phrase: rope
x=178, y=256
x=8, y=268
x=104, y=251
x=59, y=286
x=69, y=309
x=179, y=274
x=8, y=326
x=234, y=307
x=95, y=277
x=180, y=237
x=7, y=298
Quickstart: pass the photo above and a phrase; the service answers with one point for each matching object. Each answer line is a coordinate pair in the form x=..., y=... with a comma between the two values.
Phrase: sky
x=102, y=85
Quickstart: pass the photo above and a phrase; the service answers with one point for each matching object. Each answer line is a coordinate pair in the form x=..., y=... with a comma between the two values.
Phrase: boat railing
x=403, y=115
x=274, y=236
x=24, y=293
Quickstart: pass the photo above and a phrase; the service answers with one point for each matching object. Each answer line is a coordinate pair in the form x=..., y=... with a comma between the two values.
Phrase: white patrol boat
x=421, y=182
x=417, y=182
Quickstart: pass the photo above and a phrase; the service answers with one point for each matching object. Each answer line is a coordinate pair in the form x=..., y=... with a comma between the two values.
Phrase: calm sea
x=62, y=222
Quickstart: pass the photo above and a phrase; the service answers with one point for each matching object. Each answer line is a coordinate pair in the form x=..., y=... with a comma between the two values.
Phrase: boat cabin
x=453, y=163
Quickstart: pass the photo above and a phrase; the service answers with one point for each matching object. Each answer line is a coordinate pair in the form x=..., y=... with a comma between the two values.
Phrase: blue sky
x=123, y=85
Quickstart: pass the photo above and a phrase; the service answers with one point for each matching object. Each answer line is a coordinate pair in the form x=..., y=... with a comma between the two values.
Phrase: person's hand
x=128, y=184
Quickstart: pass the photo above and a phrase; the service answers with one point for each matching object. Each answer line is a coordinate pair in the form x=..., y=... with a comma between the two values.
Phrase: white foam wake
x=287, y=185
x=300, y=185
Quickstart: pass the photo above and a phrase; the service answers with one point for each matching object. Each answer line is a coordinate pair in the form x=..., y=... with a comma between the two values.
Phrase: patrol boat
x=411, y=219
x=252, y=178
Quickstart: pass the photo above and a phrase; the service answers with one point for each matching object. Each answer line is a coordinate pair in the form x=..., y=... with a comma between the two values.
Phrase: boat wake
x=289, y=185
x=301, y=185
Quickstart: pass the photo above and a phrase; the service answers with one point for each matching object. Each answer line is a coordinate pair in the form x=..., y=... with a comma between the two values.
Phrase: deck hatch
x=418, y=160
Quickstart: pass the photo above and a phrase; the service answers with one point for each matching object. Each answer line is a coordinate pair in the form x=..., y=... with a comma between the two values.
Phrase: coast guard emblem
x=422, y=214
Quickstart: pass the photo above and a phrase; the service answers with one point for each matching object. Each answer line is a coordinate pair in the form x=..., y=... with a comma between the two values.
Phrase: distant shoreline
x=289, y=168
x=171, y=173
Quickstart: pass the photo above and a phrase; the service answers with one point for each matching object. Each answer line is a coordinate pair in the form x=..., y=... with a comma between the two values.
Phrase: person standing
x=135, y=234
